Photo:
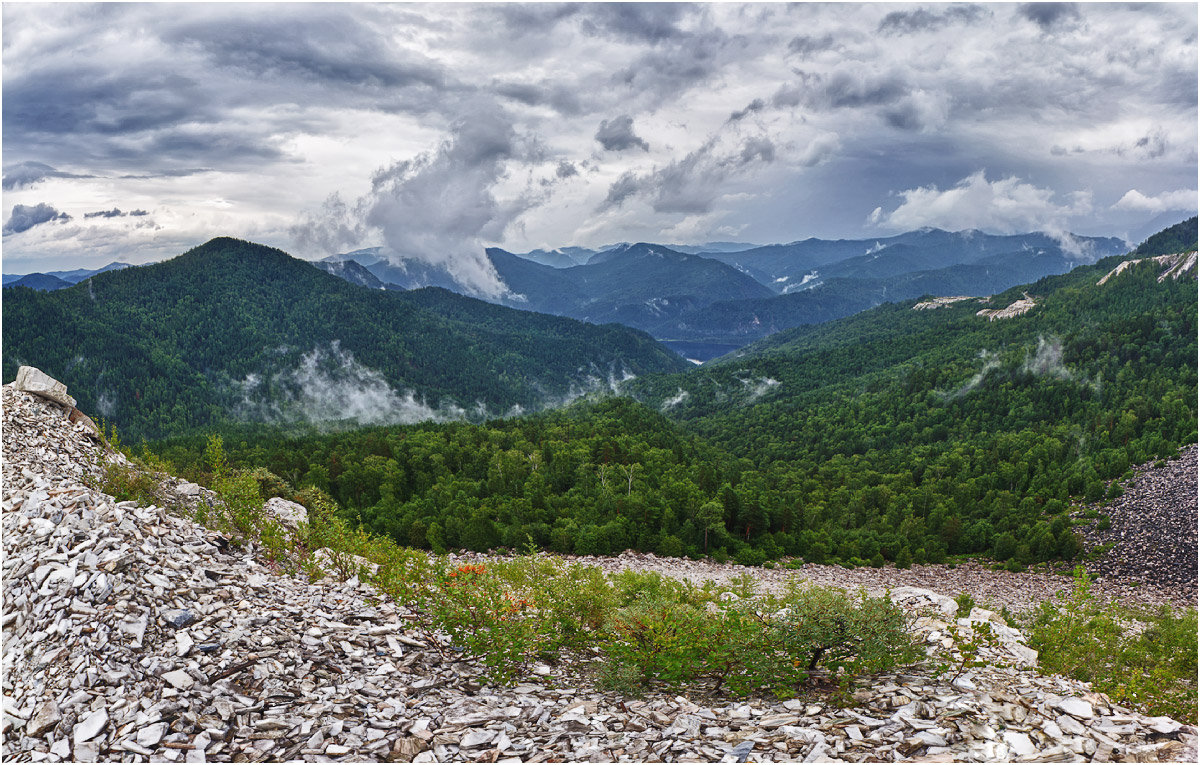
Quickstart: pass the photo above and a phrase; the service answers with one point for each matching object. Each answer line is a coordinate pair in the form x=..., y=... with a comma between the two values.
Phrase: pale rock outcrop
x=35, y=381
x=290, y=515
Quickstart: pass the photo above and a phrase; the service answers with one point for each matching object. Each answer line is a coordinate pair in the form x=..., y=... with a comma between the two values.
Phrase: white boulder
x=287, y=514
x=35, y=381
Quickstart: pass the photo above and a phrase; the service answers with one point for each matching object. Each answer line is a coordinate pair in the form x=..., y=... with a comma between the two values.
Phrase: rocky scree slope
x=1153, y=528
x=131, y=633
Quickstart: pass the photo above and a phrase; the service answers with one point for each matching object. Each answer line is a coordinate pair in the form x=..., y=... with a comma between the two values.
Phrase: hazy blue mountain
x=639, y=285
x=723, y=247
x=70, y=277
x=351, y=271
x=561, y=257
x=788, y=267
x=41, y=282
x=726, y=323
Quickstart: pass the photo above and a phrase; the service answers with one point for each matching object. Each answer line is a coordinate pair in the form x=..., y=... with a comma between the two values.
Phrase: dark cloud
x=757, y=105
x=315, y=44
x=623, y=188
x=25, y=174
x=757, y=148
x=648, y=22
x=667, y=71
x=61, y=100
x=25, y=217
x=922, y=20
x=115, y=213
x=904, y=117
x=806, y=45
x=180, y=173
x=565, y=170
x=562, y=99
x=690, y=185
x=617, y=135
x=787, y=95
x=534, y=18
x=844, y=90
x=1047, y=15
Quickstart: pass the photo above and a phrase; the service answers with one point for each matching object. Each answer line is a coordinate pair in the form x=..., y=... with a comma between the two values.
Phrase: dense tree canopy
x=895, y=434
x=236, y=331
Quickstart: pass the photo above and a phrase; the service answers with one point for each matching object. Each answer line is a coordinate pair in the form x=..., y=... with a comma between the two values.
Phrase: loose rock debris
x=132, y=634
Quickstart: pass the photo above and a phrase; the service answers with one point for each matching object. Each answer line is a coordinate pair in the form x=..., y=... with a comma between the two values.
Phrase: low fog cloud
x=1047, y=361
x=330, y=386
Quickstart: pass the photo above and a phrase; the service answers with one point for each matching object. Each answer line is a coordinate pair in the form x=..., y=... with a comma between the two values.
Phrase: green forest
x=893, y=435
x=234, y=332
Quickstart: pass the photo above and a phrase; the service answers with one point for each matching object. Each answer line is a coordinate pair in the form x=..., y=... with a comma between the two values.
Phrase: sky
x=134, y=132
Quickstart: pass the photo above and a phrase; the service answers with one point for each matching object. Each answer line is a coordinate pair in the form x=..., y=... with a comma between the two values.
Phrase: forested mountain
x=236, y=331
x=785, y=266
x=67, y=278
x=41, y=282
x=896, y=434
x=1178, y=238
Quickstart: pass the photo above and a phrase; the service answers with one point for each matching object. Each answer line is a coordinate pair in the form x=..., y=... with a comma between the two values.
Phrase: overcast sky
x=134, y=132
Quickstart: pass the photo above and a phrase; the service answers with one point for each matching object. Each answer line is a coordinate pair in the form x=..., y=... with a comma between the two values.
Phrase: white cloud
x=1008, y=205
x=1181, y=199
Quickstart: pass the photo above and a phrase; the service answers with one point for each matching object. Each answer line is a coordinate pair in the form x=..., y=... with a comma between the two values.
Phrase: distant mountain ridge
x=55, y=280
x=706, y=299
x=233, y=331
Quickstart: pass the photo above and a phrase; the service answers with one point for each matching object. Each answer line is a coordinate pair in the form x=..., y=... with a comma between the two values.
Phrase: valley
x=599, y=382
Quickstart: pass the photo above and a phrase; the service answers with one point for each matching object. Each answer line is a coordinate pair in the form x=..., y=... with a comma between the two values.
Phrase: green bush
x=965, y=604
x=1142, y=659
x=768, y=644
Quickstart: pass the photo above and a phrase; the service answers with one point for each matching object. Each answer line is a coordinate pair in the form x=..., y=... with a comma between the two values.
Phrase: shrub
x=768, y=644
x=965, y=604
x=1152, y=669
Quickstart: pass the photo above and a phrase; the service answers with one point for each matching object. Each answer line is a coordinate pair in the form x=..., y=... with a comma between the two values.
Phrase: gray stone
x=287, y=514
x=45, y=717
x=1075, y=707
x=89, y=727
x=152, y=734
x=1018, y=743
x=180, y=679
x=35, y=381
x=178, y=617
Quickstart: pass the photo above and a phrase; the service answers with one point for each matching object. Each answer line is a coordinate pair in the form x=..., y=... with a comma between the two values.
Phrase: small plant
x=965, y=604
x=1152, y=669
x=126, y=482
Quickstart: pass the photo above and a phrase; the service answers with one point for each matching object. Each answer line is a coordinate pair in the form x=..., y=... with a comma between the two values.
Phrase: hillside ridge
x=134, y=630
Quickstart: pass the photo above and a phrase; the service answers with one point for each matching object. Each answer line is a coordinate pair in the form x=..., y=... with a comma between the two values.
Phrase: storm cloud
x=25, y=174
x=617, y=135
x=25, y=217
x=334, y=126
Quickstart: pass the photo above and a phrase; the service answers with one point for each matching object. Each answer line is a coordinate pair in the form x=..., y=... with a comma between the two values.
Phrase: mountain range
x=707, y=300
x=233, y=331
x=57, y=280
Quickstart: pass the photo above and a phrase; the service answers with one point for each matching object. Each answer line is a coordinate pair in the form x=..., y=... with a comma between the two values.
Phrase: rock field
x=131, y=634
x=1154, y=529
